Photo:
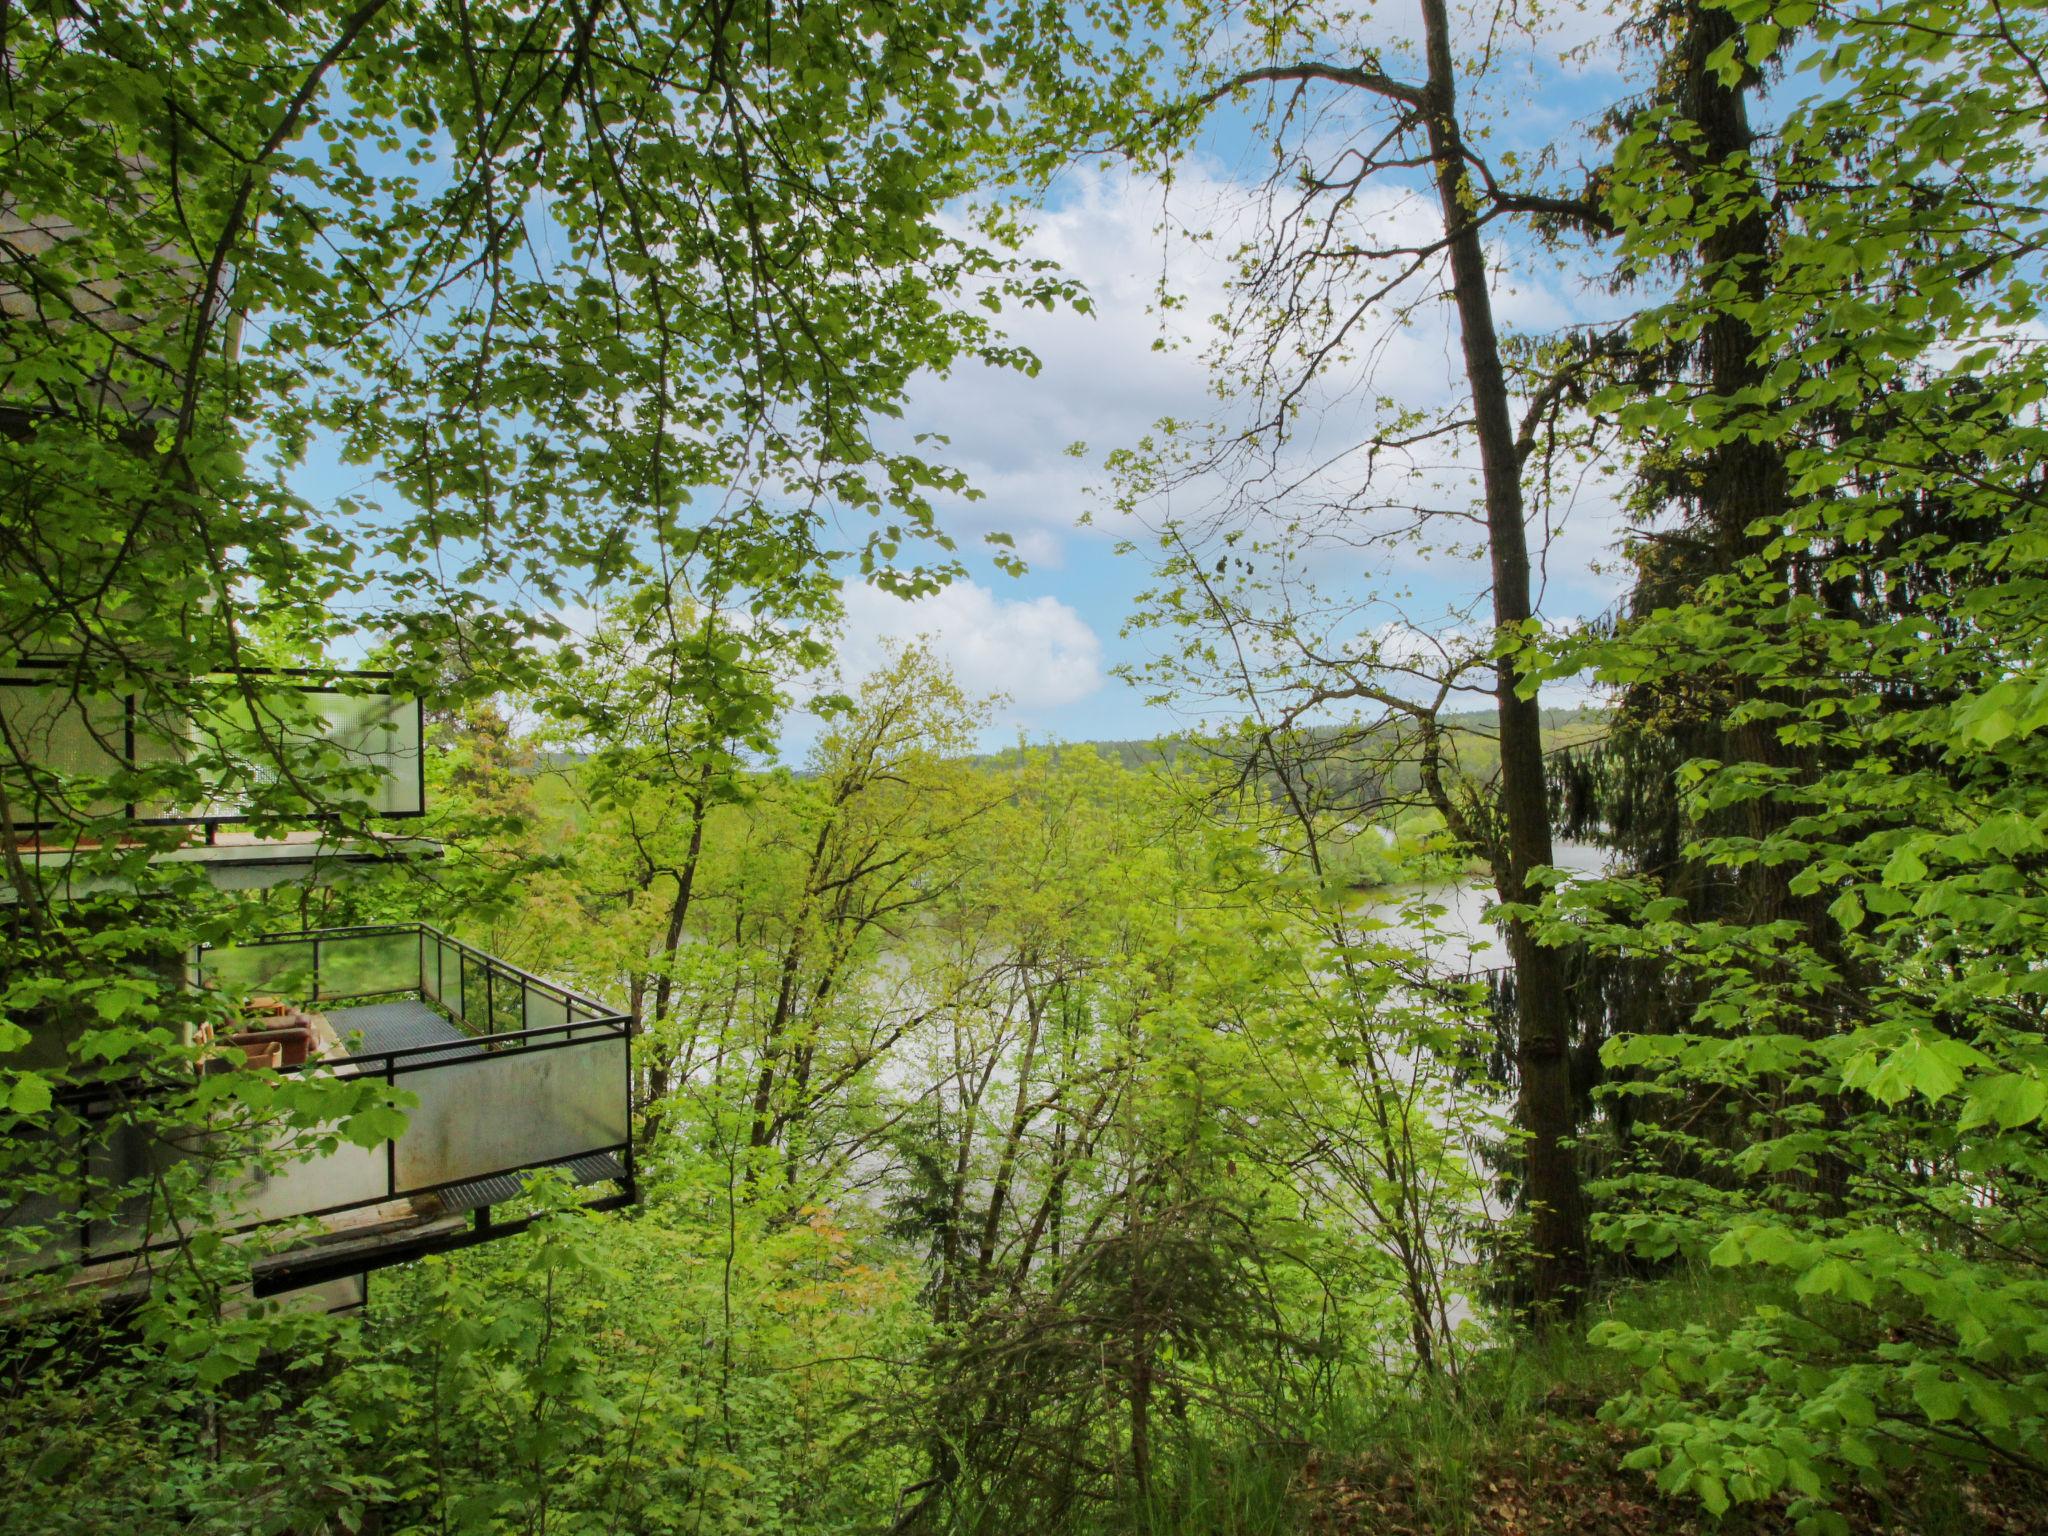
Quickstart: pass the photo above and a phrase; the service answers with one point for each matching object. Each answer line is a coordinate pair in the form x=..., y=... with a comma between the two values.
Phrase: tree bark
x=1743, y=486
x=1020, y=1119
x=1557, y=1268
x=659, y=1076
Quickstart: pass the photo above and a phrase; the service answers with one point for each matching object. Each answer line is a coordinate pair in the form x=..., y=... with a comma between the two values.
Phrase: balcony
x=512, y=1074
x=68, y=747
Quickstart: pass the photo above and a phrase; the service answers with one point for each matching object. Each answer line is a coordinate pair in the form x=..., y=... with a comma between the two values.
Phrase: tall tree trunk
x=1141, y=1362
x=786, y=990
x=660, y=1080
x=1557, y=1272
x=1743, y=485
x=1020, y=1119
x=1742, y=480
x=686, y=885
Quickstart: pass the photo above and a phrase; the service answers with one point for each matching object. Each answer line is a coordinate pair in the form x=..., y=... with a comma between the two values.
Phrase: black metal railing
x=538, y=1076
x=487, y=996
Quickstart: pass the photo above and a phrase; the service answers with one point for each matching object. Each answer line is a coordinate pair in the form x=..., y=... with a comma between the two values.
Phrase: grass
x=1516, y=1448
x=1515, y=1399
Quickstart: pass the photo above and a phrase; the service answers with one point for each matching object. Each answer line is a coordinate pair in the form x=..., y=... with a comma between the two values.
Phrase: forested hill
x=1476, y=731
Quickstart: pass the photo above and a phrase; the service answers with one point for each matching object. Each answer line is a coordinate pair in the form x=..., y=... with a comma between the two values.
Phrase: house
x=506, y=1073
x=139, y=743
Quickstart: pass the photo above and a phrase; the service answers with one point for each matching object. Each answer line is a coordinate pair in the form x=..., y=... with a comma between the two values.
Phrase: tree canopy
x=1290, y=1125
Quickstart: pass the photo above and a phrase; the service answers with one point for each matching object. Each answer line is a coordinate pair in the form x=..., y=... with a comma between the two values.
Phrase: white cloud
x=1037, y=652
x=1106, y=382
x=1101, y=380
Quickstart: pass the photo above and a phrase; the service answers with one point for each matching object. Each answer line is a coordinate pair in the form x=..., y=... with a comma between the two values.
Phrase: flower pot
x=293, y=1042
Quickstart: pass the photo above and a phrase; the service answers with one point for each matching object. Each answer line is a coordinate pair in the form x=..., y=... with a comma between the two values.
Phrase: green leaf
x=370, y=1127
x=1711, y=1492
x=1939, y=1399
x=2007, y=1099
x=30, y=1094
x=1847, y=910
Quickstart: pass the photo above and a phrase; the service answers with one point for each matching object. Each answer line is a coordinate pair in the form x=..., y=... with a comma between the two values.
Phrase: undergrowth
x=1518, y=1447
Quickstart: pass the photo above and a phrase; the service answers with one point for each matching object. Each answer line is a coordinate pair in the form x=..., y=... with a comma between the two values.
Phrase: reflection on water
x=1461, y=939
x=1456, y=941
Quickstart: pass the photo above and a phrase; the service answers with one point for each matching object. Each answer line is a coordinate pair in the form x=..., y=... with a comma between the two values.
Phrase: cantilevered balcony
x=64, y=745
x=512, y=1074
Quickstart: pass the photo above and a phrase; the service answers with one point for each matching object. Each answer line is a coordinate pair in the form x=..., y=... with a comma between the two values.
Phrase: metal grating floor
x=398, y=1026
x=506, y=1186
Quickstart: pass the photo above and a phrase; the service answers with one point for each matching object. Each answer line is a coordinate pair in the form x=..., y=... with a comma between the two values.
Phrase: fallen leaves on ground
x=1565, y=1478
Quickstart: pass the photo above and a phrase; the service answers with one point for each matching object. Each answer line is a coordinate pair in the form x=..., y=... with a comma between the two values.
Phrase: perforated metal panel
x=505, y=1110
x=380, y=731
x=72, y=737
x=543, y=1009
x=349, y=1175
x=260, y=967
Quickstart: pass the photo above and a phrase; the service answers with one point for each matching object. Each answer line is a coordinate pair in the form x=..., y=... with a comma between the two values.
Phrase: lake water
x=1462, y=939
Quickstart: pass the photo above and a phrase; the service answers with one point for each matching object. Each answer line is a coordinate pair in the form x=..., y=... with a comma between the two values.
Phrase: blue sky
x=1050, y=640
